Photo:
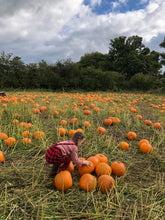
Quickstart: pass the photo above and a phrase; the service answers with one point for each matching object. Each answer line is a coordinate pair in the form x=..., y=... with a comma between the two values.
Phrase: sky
x=55, y=30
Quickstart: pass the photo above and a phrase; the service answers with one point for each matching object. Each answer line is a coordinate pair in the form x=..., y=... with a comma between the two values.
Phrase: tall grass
x=26, y=190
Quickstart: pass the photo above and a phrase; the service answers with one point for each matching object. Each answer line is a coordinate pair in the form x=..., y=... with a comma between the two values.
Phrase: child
x=65, y=151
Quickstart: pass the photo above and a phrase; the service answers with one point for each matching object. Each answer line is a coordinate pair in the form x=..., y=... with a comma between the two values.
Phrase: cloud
x=53, y=30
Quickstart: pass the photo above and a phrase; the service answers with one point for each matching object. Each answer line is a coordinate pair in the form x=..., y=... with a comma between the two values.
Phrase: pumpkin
x=87, y=182
x=3, y=136
x=71, y=133
x=10, y=141
x=100, y=130
x=131, y=135
x=157, y=125
x=108, y=121
x=80, y=158
x=118, y=168
x=139, y=117
x=105, y=183
x=85, y=169
x=70, y=167
x=148, y=122
x=96, y=109
x=63, y=180
x=26, y=141
x=143, y=141
x=36, y=110
x=15, y=121
x=116, y=120
x=1, y=156
x=124, y=145
x=92, y=105
x=61, y=132
x=86, y=124
x=39, y=135
x=42, y=108
x=74, y=121
x=102, y=158
x=146, y=148
x=103, y=168
x=95, y=160
x=87, y=112
x=26, y=134
x=22, y=125
x=79, y=130
x=55, y=113
x=85, y=107
x=63, y=122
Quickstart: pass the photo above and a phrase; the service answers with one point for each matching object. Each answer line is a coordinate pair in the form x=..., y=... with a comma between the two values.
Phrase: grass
x=26, y=190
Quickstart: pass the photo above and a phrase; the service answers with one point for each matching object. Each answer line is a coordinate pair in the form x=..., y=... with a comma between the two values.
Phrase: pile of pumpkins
x=98, y=174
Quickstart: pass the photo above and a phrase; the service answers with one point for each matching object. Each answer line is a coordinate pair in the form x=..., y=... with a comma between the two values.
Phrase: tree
x=129, y=56
x=162, y=54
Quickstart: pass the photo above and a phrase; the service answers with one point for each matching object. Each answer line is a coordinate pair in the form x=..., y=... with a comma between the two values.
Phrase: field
x=26, y=190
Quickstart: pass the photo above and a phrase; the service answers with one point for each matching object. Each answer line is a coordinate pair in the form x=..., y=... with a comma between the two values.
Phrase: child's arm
x=87, y=163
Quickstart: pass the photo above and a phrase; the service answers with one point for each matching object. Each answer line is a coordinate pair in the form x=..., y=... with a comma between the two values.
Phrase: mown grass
x=26, y=190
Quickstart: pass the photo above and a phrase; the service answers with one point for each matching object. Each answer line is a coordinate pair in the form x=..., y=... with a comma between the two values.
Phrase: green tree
x=129, y=56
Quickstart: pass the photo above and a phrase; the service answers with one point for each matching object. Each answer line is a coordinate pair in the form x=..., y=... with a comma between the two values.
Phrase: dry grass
x=27, y=192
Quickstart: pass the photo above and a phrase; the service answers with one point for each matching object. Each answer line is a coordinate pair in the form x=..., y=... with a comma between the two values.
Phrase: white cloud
x=53, y=30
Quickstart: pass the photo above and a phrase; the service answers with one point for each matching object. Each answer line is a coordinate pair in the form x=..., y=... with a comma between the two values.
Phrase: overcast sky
x=54, y=30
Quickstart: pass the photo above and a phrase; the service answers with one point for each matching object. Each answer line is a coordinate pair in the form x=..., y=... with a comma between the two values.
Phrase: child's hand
x=87, y=163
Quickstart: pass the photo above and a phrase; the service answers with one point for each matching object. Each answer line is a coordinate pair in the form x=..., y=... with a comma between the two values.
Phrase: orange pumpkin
x=10, y=141
x=100, y=130
x=86, y=124
x=108, y=121
x=74, y=121
x=15, y=121
x=1, y=156
x=26, y=141
x=85, y=169
x=42, y=108
x=103, y=168
x=63, y=122
x=146, y=148
x=70, y=167
x=124, y=145
x=87, y=182
x=105, y=183
x=143, y=141
x=61, y=132
x=63, y=180
x=39, y=135
x=139, y=117
x=3, y=136
x=87, y=112
x=102, y=158
x=71, y=133
x=148, y=122
x=26, y=134
x=157, y=125
x=95, y=160
x=36, y=110
x=118, y=168
x=131, y=135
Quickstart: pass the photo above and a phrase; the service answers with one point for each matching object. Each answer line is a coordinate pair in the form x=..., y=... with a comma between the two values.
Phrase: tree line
x=128, y=65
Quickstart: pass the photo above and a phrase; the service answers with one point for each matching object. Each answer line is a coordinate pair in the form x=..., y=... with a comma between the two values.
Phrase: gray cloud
x=54, y=30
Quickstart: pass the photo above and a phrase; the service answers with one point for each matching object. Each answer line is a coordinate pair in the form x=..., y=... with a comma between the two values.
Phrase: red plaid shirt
x=68, y=149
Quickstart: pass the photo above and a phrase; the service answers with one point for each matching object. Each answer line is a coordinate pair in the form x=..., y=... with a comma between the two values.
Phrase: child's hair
x=77, y=136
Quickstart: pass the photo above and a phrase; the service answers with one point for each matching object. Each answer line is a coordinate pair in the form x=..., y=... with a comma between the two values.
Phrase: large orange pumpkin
x=148, y=122
x=63, y=122
x=145, y=148
x=118, y=168
x=61, y=132
x=143, y=141
x=85, y=169
x=63, y=180
x=131, y=135
x=3, y=136
x=87, y=182
x=26, y=141
x=10, y=141
x=71, y=133
x=157, y=125
x=86, y=124
x=70, y=167
x=108, y=121
x=124, y=145
x=102, y=158
x=95, y=160
x=1, y=156
x=105, y=183
x=39, y=135
x=103, y=168
x=101, y=130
